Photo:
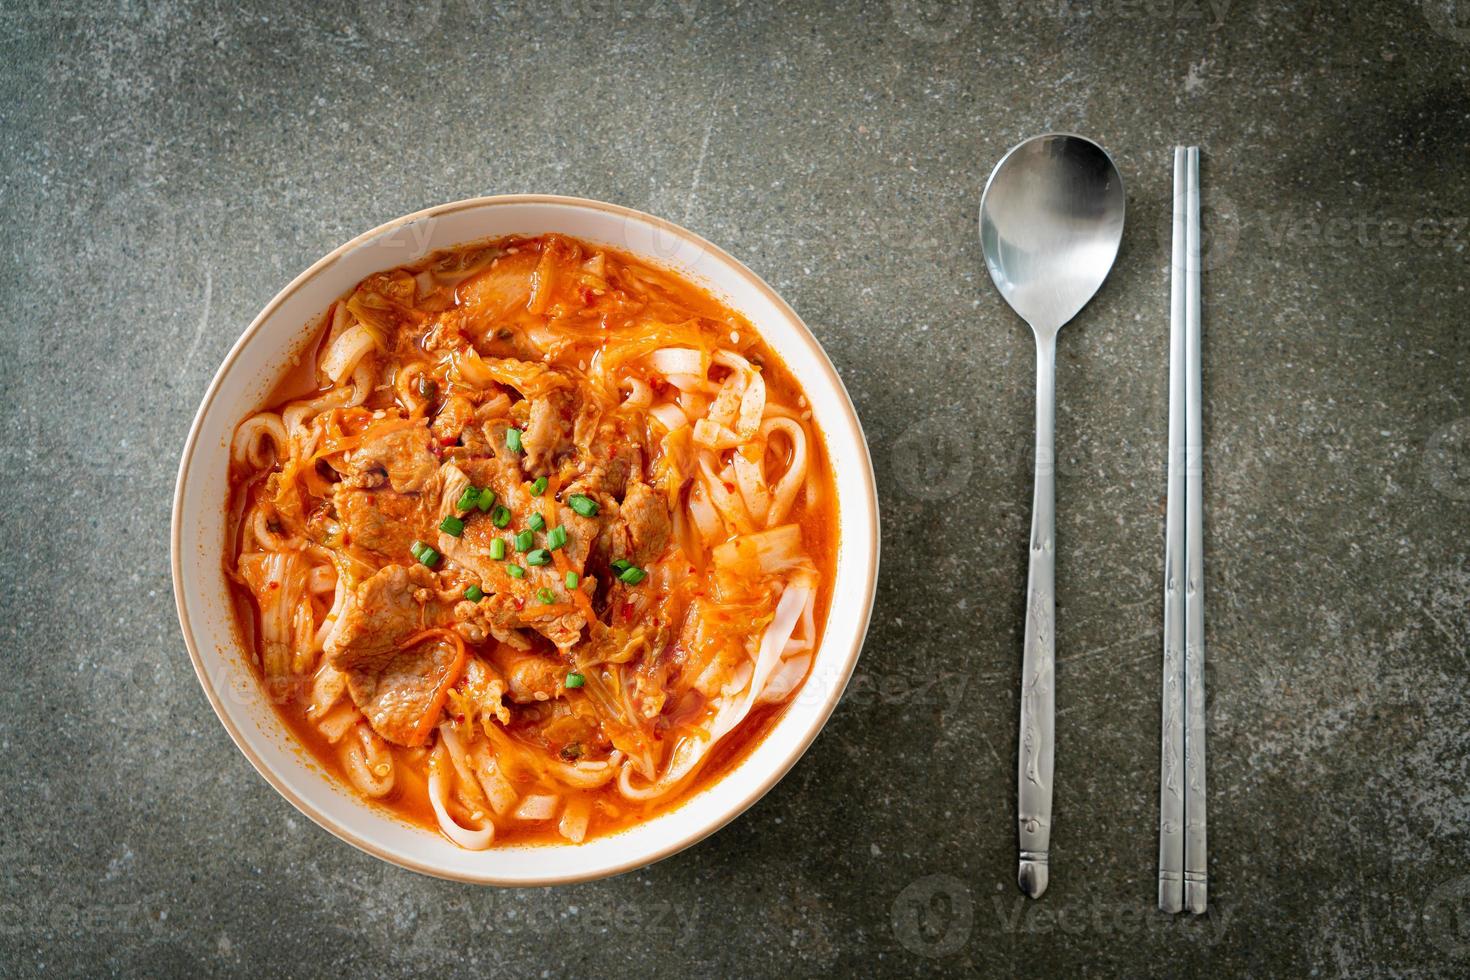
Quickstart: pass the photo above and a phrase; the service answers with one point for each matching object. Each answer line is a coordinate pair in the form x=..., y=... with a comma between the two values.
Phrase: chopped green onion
x=621, y=564
x=572, y=579
x=556, y=537
x=546, y=596
x=633, y=575
x=467, y=499
x=515, y=571
x=427, y=556
x=513, y=440
x=539, y=487
x=500, y=516
x=525, y=540
x=575, y=680
x=536, y=523
x=497, y=549
x=474, y=593
x=582, y=504
x=452, y=526
x=417, y=548
x=538, y=557
x=486, y=500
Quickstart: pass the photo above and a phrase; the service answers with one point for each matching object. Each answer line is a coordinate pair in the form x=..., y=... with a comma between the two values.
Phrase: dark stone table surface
x=165, y=167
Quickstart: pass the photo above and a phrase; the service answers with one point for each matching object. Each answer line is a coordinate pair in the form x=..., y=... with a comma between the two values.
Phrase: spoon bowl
x=1051, y=220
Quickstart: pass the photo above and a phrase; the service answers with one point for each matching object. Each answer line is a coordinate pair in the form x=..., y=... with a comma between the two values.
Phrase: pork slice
x=455, y=415
x=382, y=613
x=636, y=531
x=581, y=533
x=548, y=430
x=382, y=521
x=515, y=604
x=403, y=455
x=647, y=517
x=620, y=462
x=494, y=433
x=611, y=543
x=484, y=691
x=521, y=602
x=398, y=685
x=479, y=621
x=387, y=523
x=534, y=678
x=403, y=699
x=502, y=476
x=608, y=463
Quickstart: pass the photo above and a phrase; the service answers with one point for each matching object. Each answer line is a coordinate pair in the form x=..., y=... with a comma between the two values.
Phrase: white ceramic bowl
x=249, y=373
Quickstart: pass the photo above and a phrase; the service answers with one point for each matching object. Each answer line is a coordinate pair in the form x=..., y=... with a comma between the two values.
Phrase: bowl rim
x=678, y=842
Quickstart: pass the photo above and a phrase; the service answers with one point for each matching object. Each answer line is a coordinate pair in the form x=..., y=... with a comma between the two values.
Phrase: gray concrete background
x=168, y=166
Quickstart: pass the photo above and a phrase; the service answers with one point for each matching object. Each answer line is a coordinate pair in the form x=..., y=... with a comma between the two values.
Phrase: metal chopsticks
x=1171, y=764
x=1195, y=865
x=1182, y=817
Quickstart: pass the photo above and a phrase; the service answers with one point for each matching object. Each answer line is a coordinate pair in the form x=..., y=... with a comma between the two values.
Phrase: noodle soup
x=535, y=542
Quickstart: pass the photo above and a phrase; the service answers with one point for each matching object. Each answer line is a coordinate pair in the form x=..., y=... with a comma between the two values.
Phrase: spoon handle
x=1038, y=664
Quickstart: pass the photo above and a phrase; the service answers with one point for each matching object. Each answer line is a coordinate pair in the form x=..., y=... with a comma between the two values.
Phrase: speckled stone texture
x=166, y=167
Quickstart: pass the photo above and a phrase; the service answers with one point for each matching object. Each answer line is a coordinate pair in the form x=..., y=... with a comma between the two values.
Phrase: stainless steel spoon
x=1051, y=220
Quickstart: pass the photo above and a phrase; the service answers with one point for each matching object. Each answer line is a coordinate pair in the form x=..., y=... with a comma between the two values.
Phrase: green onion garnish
x=621, y=564
x=486, y=500
x=467, y=499
x=513, y=440
x=582, y=504
x=556, y=537
x=536, y=523
x=539, y=487
x=500, y=516
x=538, y=557
x=575, y=680
x=633, y=575
x=452, y=526
x=572, y=579
x=546, y=596
x=515, y=571
x=474, y=593
x=525, y=540
x=427, y=556
x=497, y=549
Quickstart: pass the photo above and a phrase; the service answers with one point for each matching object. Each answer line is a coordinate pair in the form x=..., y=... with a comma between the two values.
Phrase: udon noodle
x=535, y=541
